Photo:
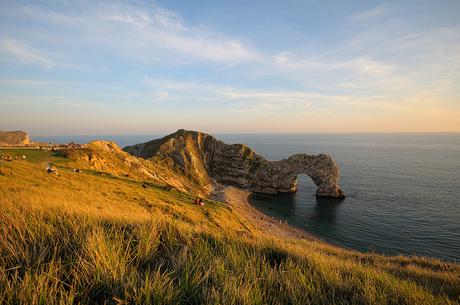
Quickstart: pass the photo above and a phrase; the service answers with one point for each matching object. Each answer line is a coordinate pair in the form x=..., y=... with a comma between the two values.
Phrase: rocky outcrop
x=14, y=138
x=206, y=161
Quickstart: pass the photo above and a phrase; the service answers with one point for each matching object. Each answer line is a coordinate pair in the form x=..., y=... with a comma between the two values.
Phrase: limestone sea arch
x=207, y=161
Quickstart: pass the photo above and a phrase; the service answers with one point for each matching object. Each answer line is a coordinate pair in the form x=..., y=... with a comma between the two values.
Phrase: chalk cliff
x=14, y=138
x=205, y=160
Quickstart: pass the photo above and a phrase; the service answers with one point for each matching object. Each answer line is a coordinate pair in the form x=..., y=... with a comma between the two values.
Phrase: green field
x=32, y=155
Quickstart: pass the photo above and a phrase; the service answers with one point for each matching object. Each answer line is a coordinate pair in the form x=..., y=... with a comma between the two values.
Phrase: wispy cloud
x=371, y=13
x=150, y=33
x=362, y=65
x=241, y=100
x=51, y=100
x=387, y=58
x=25, y=54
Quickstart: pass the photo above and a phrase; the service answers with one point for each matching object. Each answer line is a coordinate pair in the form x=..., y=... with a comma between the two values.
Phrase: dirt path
x=238, y=200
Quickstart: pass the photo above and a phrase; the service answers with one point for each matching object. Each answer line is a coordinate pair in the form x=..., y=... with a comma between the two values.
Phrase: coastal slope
x=92, y=237
x=107, y=157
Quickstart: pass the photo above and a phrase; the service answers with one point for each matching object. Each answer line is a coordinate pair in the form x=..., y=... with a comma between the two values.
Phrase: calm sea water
x=403, y=190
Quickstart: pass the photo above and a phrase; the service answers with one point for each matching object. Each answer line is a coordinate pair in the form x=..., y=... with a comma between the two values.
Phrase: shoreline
x=238, y=199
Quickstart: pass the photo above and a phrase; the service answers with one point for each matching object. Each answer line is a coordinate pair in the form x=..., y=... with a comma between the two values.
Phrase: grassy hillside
x=108, y=157
x=95, y=238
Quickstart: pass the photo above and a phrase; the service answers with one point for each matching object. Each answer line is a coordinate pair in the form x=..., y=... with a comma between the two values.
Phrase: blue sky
x=139, y=67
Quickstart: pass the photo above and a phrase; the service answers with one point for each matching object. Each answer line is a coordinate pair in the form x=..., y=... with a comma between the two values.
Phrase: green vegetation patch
x=32, y=155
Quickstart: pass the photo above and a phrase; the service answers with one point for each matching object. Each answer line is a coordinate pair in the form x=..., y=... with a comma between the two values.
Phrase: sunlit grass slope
x=94, y=238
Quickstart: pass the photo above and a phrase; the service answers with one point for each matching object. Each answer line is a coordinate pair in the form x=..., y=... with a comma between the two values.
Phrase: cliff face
x=206, y=160
x=14, y=138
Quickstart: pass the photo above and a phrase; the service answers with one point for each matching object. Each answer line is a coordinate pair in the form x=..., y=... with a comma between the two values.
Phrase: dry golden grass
x=93, y=238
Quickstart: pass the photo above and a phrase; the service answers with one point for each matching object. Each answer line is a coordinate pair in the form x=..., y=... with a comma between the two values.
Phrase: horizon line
x=249, y=133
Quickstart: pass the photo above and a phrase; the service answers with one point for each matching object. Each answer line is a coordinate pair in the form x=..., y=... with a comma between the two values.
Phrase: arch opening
x=304, y=184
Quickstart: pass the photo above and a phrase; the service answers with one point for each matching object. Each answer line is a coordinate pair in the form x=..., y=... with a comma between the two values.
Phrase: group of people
x=198, y=201
x=10, y=158
x=51, y=169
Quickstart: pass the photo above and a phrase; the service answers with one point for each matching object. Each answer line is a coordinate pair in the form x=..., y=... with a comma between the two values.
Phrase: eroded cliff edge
x=206, y=161
x=14, y=138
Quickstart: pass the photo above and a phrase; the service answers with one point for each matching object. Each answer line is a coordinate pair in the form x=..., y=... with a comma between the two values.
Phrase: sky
x=291, y=66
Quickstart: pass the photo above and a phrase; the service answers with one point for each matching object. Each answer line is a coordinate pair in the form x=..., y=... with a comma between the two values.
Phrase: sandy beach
x=238, y=200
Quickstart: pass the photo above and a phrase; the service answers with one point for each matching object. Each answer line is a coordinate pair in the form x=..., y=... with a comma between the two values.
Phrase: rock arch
x=241, y=166
x=281, y=176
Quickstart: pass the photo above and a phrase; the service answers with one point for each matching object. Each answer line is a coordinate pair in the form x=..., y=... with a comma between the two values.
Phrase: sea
x=402, y=189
